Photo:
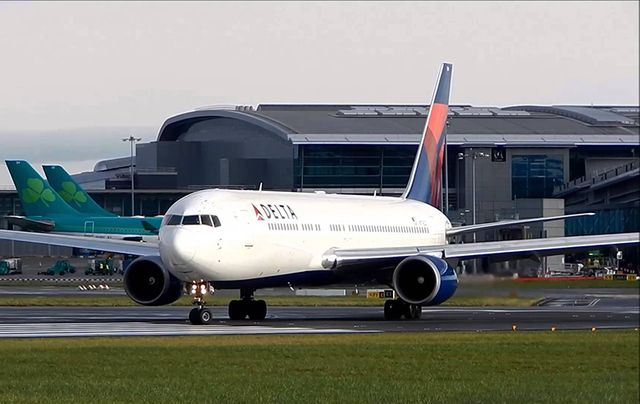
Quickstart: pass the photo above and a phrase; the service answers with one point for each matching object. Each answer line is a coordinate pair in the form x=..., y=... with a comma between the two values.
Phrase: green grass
x=29, y=283
x=577, y=284
x=541, y=367
x=116, y=301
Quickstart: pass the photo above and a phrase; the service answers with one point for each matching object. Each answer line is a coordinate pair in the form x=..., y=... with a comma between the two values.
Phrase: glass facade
x=353, y=166
x=534, y=176
x=6, y=206
x=617, y=220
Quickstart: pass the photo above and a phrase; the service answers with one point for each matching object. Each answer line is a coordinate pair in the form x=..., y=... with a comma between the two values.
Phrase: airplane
x=47, y=211
x=72, y=192
x=230, y=239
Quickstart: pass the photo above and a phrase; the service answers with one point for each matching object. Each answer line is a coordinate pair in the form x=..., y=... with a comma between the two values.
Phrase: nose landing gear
x=247, y=306
x=199, y=315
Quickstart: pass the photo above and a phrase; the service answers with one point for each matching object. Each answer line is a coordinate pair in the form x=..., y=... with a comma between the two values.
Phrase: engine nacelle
x=425, y=280
x=148, y=282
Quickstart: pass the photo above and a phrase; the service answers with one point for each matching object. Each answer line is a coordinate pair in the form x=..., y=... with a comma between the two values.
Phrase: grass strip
x=117, y=301
x=563, y=284
x=541, y=367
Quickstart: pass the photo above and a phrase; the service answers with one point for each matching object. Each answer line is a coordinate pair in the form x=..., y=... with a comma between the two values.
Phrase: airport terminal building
x=514, y=162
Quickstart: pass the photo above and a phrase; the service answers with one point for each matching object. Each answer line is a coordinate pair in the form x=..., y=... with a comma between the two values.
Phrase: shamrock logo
x=70, y=193
x=35, y=191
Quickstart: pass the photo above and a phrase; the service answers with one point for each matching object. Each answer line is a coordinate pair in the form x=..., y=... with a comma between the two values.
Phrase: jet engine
x=148, y=282
x=424, y=280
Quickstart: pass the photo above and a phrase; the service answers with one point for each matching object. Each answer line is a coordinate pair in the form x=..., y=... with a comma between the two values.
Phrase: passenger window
x=174, y=220
x=191, y=220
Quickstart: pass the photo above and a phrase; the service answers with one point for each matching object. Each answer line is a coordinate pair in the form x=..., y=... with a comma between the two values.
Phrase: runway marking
x=47, y=330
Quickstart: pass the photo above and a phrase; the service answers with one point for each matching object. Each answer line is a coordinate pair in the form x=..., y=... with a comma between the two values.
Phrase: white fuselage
x=263, y=234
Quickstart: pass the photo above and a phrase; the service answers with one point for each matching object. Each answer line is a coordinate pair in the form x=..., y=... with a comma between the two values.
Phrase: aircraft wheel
x=412, y=311
x=258, y=310
x=391, y=310
x=194, y=316
x=418, y=314
x=204, y=315
x=237, y=310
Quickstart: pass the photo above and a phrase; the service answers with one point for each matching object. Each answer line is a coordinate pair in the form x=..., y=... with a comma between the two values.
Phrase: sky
x=76, y=77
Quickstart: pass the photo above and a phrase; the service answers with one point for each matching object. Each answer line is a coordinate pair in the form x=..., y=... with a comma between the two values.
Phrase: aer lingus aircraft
x=72, y=192
x=47, y=211
x=254, y=239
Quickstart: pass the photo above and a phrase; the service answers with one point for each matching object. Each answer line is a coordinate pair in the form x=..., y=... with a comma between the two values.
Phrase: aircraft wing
x=30, y=224
x=92, y=243
x=512, y=249
x=454, y=231
x=497, y=250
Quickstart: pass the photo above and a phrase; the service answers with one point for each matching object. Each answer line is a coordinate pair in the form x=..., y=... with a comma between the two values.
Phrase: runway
x=34, y=322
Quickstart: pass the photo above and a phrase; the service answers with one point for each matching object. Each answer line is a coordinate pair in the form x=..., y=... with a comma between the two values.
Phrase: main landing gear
x=199, y=315
x=247, y=306
x=395, y=309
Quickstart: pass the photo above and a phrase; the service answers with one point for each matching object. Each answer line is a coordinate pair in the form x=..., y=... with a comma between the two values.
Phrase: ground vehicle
x=10, y=266
x=61, y=267
x=101, y=267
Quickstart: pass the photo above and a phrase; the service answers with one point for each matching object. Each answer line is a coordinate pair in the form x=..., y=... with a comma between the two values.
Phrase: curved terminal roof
x=526, y=125
x=114, y=164
x=179, y=124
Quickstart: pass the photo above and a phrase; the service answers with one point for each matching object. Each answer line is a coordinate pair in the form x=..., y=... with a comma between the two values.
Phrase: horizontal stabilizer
x=508, y=223
x=150, y=227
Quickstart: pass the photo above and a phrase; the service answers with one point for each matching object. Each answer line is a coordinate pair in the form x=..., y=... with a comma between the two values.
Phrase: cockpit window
x=189, y=220
x=174, y=220
x=210, y=220
x=206, y=219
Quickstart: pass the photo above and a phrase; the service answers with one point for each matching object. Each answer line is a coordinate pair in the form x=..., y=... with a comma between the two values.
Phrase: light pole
x=132, y=140
x=474, y=156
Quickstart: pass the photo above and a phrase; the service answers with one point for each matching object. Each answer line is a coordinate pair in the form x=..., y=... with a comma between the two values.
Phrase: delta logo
x=273, y=211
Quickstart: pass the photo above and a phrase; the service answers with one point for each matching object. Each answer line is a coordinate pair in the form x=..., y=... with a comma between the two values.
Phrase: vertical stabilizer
x=425, y=183
x=36, y=195
x=72, y=193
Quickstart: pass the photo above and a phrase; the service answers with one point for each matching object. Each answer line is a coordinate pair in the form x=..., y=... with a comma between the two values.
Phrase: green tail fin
x=72, y=193
x=36, y=195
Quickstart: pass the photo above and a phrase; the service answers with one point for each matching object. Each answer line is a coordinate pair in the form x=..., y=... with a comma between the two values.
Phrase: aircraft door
x=89, y=227
x=246, y=221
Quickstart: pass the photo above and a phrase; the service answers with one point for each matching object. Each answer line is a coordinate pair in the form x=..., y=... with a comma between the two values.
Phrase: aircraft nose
x=180, y=246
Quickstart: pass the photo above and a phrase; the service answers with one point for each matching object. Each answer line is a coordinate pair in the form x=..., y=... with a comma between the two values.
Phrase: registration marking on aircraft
x=58, y=330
